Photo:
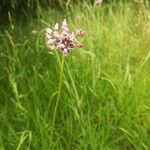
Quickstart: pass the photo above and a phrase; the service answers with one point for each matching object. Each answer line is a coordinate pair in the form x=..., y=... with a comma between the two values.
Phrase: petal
x=50, y=41
x=98, y=2
x=34, y=32
x=72, y=34
x=65, y=51
x=80, y=32
x=56, y=26
x=64, y=33
x=72, y=39
x=48, y=36
x=52, y=47
x=64, y=23
x=56, y=34
x=79, y=46
x=61, y=46
x=48, y=31
x=64, y=26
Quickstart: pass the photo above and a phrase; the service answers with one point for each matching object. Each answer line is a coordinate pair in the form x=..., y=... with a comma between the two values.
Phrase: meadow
x=104, y=93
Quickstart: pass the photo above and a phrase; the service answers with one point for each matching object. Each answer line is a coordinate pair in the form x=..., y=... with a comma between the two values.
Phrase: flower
x=97, y=2
x=64, y=26
x=34, y=32
x=80, y=32
x=56, y=26
x=61, y=39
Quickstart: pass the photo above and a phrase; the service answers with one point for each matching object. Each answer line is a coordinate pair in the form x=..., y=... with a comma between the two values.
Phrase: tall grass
x=104, y=101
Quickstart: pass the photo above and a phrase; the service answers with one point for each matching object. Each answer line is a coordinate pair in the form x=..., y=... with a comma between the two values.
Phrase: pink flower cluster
x=62, y=39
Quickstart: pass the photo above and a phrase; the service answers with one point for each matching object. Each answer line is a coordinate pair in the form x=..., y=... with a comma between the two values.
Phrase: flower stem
x=58, y=96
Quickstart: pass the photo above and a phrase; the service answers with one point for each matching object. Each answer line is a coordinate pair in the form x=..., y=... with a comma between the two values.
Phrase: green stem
x=58, y=96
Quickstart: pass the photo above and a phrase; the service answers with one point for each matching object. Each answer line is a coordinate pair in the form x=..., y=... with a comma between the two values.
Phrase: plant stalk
x=58, y=96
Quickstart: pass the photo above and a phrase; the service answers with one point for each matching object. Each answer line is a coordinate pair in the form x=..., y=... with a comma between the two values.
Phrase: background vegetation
x=105, y=98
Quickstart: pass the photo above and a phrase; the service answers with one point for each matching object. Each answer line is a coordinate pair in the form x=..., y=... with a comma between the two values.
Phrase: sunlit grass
x=105, y=99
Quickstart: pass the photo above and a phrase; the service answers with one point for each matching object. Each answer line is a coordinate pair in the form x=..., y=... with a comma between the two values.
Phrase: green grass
x=104, y=99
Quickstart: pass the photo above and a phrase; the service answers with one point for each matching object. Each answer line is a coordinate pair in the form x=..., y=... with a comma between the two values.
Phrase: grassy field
x=104, y=101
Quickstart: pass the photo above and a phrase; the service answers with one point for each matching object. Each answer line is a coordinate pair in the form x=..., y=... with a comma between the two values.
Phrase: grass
x=104, y=101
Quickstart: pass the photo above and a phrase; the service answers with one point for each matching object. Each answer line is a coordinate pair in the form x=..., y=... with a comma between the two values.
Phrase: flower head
x=97, y=2
x=62, y=39
x=80, y=32
x=34, y=32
